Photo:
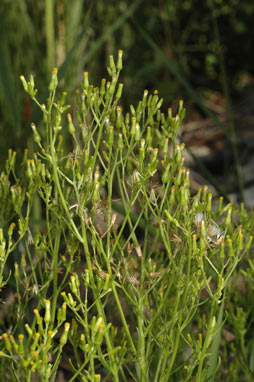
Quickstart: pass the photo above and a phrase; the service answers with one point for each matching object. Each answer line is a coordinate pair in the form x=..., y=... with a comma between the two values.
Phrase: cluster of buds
x=34, y=351
x=29, y=85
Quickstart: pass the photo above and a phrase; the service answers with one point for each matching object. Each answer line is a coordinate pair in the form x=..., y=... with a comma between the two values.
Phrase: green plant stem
x=55, y=275
x=50, y=34
x=141, y=337
x=98, y=302
x=213, y=359
x=209, y=332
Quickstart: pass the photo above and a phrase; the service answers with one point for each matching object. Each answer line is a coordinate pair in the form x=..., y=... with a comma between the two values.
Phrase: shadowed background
x=197, y=51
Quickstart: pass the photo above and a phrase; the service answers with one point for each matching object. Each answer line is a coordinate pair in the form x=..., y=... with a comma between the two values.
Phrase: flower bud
x=106, y=283
x=178, y=154
x=248, y=244
x=120, y=142
x=119, y=91
x=35, y=342
x=111, y=135
x=7, y=342
x=148, y=135
x=112, y=65
x=49, y=339
x=166, y=174
x=47, y=315
x=230, y=248
x=172, y=197
x=240, y=242
x=220, y=205
x=209, y=202
x=24, y=82
x=38, y=317
x=228, y=218
x=10, y=230
x=29, y=330
x=194, y=242
x=133, y=126
x=86, y=277
x=54, y=81
x=86, y=81
x=70, y=125
x=64, y=336
x=205, y=193
x=119, y=64
x=21, y=344
x=37, y=137
x=103, y=87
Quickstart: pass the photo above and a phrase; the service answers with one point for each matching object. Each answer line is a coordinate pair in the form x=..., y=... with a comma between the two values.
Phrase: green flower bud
x=71, y=301
x=240, y=242
x=178, y=157
x=119, y=64
x=166, y=174
x=222, y=250
x=24, y=82
x=47, y=315
x=103, y=87
x=21, y=344
x=49, y=340
x=86, y=81
x=137, y=132
x=249, y=242
x=29, y=330
x=148, y=135
x=63, y=294
x=111, y=135
x=205, y=193
x=133, y=126
x=10, y=230
x=230, y=247
x=35, y=342
x=179, y=176
x=54, y=81
x=194, y=243
x=112, y=65
x=181, y=110
x=228, y=218
x=172, y=198
x=7, y=342
x=70, y=125
x=64, y=336
x=120, y=142
x=99, y=335
x=82, y=343
x=37, y=137
x=220, y=205
x=183, y=200
x=209, y=202
x=165, y=146
x=119, y=91
x=144, y=100
x=106, y=283
x=86, y=278
x=38, y=317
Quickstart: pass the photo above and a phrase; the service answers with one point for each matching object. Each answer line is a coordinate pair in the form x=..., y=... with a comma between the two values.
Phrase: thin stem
x=50, y=34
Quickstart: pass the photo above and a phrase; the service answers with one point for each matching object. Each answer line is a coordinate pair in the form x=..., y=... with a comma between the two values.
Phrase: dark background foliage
x=198, y=51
